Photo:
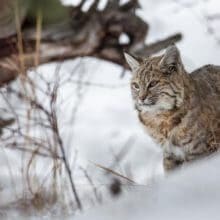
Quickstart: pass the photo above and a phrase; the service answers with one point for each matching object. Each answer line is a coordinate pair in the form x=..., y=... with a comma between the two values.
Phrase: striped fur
x=180, y=111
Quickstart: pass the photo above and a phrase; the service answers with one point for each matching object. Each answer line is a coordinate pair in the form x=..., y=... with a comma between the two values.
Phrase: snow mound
x=190, y=193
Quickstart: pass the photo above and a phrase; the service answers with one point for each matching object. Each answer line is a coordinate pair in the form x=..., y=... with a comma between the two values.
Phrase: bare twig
x=114, y=172
x=97, y=196
x=61, y=146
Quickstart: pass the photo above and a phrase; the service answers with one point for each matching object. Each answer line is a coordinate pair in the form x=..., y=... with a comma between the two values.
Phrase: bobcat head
x=157, y=83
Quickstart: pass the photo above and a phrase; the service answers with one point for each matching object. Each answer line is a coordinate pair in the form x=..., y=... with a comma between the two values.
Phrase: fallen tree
x=93, y=33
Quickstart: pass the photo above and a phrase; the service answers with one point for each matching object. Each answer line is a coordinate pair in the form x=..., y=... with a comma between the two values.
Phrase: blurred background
x=70, y=137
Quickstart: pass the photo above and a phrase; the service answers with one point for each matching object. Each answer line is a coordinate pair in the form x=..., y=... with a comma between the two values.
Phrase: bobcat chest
x=159, y=127
x=166, y=130
x=170, y=131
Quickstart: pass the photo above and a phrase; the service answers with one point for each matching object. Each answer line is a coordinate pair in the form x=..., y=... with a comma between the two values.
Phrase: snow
x=105, y=122
x=198, y=46
x=186, y=194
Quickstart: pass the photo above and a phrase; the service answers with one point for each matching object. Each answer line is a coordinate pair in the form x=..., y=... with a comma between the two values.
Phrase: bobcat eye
x=135, y=86
x=172, y=68
x=153, y=83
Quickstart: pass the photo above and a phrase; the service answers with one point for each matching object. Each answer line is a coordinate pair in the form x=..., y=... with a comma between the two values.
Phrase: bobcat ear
x=171, y=56
x=132, y=61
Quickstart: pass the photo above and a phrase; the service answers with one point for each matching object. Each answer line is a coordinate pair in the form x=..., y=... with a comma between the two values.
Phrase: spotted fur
x=180, y=111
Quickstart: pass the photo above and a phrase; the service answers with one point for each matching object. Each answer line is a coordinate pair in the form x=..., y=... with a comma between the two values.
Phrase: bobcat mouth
x=149, y=104
x=141, y=106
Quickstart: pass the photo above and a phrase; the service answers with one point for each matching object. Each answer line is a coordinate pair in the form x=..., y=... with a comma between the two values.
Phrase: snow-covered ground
x=192, y=193
x=105, y=122
x=200, y=44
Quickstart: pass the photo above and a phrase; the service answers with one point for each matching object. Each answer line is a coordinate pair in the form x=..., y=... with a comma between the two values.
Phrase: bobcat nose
x=142, y=97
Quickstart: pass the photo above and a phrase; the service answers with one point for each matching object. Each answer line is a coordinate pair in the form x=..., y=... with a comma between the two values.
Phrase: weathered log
x=92, y=33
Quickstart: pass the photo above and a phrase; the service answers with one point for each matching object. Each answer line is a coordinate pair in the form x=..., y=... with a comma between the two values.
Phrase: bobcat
x=180, y=111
